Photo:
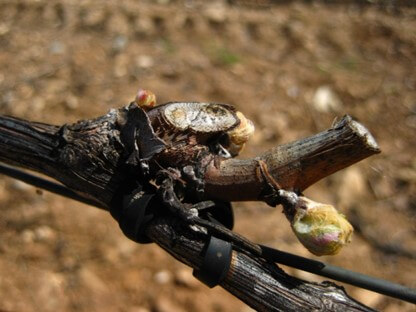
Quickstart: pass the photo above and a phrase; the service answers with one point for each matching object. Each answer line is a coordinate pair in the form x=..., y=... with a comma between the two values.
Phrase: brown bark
x=294, y=166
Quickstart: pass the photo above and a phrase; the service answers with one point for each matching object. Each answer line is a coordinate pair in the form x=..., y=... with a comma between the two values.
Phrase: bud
x=320, y=227
x=240, y=134
x=145, y=99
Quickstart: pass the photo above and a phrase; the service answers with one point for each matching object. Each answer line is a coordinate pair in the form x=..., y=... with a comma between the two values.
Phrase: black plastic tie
x=216, y=263
x=133, y=214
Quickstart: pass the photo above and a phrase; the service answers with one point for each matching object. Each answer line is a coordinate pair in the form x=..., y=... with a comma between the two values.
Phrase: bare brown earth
x=61, y=61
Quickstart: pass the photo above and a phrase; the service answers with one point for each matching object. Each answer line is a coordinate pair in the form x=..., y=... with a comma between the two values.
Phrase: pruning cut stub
x=207, y=120
x=201, y=117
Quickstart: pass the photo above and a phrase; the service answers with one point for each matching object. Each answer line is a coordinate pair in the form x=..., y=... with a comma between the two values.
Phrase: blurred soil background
x=290, y=66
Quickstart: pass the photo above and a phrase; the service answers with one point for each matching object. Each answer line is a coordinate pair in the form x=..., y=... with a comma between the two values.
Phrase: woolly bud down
x=320, y=227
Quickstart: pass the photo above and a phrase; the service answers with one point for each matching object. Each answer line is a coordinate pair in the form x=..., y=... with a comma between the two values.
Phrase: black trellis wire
x=313, y=266
x=47, y=185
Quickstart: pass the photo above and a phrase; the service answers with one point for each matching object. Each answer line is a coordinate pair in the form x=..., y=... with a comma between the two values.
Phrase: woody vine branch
x=106, y=157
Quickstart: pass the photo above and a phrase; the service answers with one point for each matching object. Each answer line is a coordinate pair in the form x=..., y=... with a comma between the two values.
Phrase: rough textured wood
x=262, y=285
x=32, y=142
x=90, y=158
x=294, y=166
x=84, y=156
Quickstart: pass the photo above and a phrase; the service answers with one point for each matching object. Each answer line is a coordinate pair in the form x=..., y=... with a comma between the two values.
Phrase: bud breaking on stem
x=145, y=99
x=240, y=134
x=319, y=227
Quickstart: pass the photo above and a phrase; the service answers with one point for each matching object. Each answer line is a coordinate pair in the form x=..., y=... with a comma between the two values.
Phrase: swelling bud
x=240, y=135
x=320, y=227
x=145, y=99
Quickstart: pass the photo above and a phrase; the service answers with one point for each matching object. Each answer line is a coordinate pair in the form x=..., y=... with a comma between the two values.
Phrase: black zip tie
x=339, y=274
x=135, y=217
x=134, y=212
x=216, y=263
x=273, y=255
